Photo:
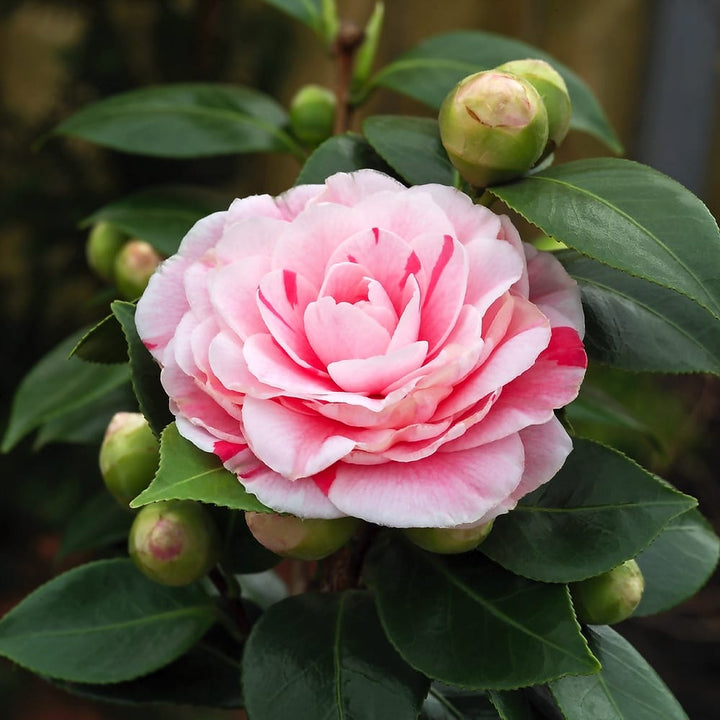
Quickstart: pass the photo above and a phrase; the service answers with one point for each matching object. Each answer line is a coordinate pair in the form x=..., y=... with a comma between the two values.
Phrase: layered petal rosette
x=362, y=348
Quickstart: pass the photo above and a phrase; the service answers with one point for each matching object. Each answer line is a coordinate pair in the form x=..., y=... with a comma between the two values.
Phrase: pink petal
x=408, y=326
x=340, y=331
x=292, y=444
x=282, y=298
x=292, y=202
x=249, y=237
x=554, y=291
x=351, y=188
x=372, y=375
x=442, y=490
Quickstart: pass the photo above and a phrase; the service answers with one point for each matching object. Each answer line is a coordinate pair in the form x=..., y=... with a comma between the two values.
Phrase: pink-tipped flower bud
x=609, y=598
x=134, y=264
x=494, y=127
x=103, y=244
x=449, y=541
x=312, y=114
x=553, y=91
x=174, y=542
x=129, y=456
x=293, y=537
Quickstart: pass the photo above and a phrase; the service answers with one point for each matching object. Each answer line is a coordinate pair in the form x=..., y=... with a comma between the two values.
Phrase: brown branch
x=347, y=42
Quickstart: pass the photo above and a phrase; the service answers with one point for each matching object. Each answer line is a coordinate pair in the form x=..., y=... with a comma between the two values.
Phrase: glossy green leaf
x=325, y=656
x=104, y=622
x=208, y=676
x=465, y=621
x=151, y=397
x=513, y=705
x=184, y=121
x=412, y=147
x=58, y=385
x=626, y=688
x=430, y=70
x=599, y=510
x=242, y=553
x=448, y=703
x=98, y=523
x=87, y=424
x=341, y=153
x=627, y=216
x=637, y=325
x=678, y=563
x=104, y=343
x=161, y=215
x=187, y=473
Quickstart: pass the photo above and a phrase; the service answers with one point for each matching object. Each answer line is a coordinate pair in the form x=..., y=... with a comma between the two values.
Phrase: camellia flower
x=366, y=349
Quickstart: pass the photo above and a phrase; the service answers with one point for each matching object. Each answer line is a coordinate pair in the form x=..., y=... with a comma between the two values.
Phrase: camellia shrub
x=353, y=481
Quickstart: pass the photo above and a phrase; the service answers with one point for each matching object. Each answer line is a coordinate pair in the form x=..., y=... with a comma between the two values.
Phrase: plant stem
x=231, y=602
x=343, y=570
x=347, y=42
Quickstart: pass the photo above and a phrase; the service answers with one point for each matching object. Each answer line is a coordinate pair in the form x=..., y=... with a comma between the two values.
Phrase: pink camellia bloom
x=362, y=348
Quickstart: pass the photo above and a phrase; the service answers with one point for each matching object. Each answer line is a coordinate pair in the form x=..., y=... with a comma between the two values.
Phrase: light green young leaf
x=365, y=56
x=626, y=688
x=161, y=215
x=627, y=216
x=187, y=473
x=185, y=121
x=429, y=71
x=599, y=510
x=104, y=622
x=58, y=385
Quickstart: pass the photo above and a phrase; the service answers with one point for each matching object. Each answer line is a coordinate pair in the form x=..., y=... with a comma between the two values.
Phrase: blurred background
x=655, y=66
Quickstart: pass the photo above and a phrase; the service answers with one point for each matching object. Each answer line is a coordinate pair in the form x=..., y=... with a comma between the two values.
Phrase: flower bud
x=449, y=541
x=494, y=127
x=129, y=456
x=293, y=537
x=608, y=598
x=174, y=542
x=553, y=91
x=312, y=114
x=101, y=249
x=134, y=264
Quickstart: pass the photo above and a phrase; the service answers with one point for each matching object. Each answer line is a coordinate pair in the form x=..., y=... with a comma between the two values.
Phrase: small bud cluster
x=116, y=257
x=497, y=124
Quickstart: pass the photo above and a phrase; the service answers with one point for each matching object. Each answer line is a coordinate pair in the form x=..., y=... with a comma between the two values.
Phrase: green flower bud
x=553, y=91
x=103, y=245
x=293, y=537
x=174, y=542
x=129, y=456
x=134, y=264
x=494, y=127
x=312, y=114
x=449, y=541
x=608, y=598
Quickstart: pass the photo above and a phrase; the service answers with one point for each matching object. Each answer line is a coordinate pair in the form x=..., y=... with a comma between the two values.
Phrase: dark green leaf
x=412, y=147
x=628, y=216
x=636, y=325
x=466, y=621
x=105, y=343
x=341, y=153
x=513, y=705
x=187, y=473
x=678, y=563
x=151, y=397
x=87, y=424
x=58, y=385
x=208, y=675
x=98, y=523
x=242, y=553
x=430, y=70
x=626, y=688
x=308, y=12
x=599, y=510
x=104, y=622
x=161, y=215
x=184, y=121
x=322, y=656
x=448, y=703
